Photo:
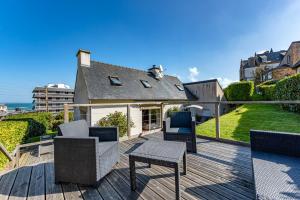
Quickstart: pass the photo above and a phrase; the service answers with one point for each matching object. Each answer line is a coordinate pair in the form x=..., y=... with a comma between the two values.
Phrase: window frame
x=179, y=87
x=115, y=81
x=144, y=82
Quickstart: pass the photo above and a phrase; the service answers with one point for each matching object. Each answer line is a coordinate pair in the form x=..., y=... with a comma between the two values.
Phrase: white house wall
x=98, y=112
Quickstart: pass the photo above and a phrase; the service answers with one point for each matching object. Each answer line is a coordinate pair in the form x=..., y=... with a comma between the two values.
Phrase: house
x=288, y=66
x=52, y=97
x=261, y=61
x=144, y=96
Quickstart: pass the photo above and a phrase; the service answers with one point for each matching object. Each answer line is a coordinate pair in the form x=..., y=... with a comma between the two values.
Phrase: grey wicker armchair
x=84, y=154
x=181, y=126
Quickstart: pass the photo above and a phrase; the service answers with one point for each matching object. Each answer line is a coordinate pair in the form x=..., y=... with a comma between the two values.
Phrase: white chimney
x=83, y=58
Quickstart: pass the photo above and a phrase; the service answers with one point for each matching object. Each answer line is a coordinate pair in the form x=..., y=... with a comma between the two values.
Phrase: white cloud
x=193, y=73
x=226, y=81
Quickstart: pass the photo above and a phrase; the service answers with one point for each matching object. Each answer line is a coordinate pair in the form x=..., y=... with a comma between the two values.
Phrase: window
x=179, y=87
x=114, y=80
x=151, y=119
x=288, y=59
x=146, y=84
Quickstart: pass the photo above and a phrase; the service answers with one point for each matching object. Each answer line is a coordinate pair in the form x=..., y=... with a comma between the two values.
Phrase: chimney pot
x=83, y=58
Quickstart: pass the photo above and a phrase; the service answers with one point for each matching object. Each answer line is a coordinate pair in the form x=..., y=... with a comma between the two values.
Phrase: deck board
x=217, y=171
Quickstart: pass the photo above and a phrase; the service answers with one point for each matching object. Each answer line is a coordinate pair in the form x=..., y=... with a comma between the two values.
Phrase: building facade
x=288, y=66
x=143, y=96
x=262, y=61
x=52, y=97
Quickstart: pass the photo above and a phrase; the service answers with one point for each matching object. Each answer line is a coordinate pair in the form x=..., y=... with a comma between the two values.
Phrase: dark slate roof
x=99, y=87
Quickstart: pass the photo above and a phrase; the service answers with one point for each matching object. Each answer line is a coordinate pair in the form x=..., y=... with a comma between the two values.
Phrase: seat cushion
x=74, y=129
x=105, y=146
x=181, y=119
x=180, y=130
x=276, y=176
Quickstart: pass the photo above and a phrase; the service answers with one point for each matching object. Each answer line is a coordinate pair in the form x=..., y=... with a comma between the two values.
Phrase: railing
x=215, y=105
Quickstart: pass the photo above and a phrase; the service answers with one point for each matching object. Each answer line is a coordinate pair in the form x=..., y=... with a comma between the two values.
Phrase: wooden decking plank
x=71, y=191
x=37, y=183
x=6, y=183
x=121, y=187
x=20, y=187
x=168, y=186
x=161, y=190
x=53, y=191
x=214, y=174
x=107, y=192
x=90, y=193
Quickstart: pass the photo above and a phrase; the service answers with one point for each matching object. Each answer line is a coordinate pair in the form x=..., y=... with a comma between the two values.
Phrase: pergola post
x=217, y=117
x=128, y=121
x=66, y=113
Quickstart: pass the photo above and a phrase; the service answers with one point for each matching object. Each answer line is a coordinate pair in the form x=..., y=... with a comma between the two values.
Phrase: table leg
x=132, y=174
x=149, y=165
x=177, y=181
x=184, y=163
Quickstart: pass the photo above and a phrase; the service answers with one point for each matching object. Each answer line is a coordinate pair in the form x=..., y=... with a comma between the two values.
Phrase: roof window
x=146, y=84
x=179, y=87
x=114, y=80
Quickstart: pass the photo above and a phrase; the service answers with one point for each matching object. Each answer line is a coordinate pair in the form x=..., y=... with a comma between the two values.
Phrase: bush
x=240, y=91
x=12, y=133
x=38, y=122
x=288, y=89
x=116, y=119
x=173, y=109
x=266, y=91
x=59, y=119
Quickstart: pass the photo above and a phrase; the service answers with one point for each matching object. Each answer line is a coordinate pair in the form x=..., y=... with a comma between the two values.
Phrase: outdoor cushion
x=276, y=176
x=180, y=130
x=105, y=146
x=181, y=119
x=74, y=129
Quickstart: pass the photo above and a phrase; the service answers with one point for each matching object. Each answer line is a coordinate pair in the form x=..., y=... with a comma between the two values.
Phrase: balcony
x=217, y=171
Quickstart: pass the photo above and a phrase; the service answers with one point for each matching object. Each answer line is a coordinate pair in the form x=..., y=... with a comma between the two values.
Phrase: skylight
x=179, y=87
x=114, y=80
x=146, y=84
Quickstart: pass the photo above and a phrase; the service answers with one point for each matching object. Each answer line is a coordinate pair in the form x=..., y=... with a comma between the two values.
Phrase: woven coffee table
x=163, y=153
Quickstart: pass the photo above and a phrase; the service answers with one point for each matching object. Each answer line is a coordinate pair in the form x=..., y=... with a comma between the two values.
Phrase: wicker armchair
x=84, y=154
x=181, y=126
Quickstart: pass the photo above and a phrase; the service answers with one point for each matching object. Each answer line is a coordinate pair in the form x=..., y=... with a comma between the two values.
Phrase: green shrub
x=38, y=122
x=173, y=109
x=240, y=91
x=116, y=119
x=12, y=133
x=59, y=119
x=288, y=89
x=266, y=91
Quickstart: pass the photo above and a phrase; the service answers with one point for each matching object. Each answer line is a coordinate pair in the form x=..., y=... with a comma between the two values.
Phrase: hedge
x=38, y=122
x=240, y=91
x=288, y=89
x=12, y=133
x=266, y=91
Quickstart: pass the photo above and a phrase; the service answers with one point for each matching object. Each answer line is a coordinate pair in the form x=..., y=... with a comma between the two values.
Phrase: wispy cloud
x=193, y=73
x=226, y=81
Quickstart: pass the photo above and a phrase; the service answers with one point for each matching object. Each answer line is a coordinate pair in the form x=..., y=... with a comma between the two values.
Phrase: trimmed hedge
x=38, y=122
x=240, y=91
x=288, y=89
x=59, y=119
x=266, y=91
x=12, y=133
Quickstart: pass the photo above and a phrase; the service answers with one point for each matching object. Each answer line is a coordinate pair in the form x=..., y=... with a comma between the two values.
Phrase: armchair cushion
x=179, y=130
x=181, y=119
x=105, y=133
x=74, y=129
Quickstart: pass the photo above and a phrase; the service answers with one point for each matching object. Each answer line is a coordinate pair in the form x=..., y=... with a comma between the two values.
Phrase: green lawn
x=236, y=124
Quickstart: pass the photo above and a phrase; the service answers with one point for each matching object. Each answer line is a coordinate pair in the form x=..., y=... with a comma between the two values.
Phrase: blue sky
x=194, y=39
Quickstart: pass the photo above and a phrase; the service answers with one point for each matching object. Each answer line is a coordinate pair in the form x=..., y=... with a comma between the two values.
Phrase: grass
x=237, y=124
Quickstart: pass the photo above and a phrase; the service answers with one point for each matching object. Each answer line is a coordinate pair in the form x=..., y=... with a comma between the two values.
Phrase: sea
x=23, y=106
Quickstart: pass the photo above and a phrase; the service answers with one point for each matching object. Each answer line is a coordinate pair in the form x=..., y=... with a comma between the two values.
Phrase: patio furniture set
x=84, y=155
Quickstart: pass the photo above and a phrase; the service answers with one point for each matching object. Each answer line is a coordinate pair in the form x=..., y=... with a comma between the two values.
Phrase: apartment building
x=52, y=97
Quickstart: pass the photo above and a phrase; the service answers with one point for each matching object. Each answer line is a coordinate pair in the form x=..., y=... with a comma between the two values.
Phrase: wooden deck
x=218, y=171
